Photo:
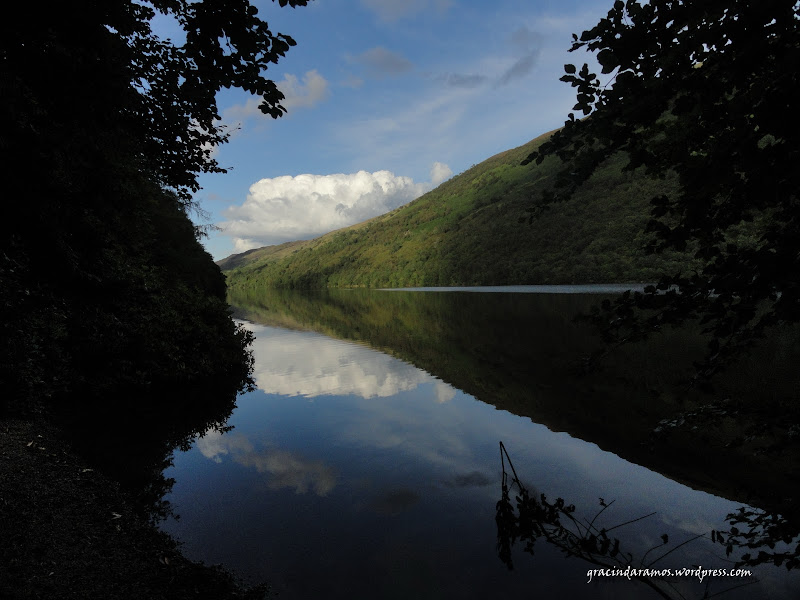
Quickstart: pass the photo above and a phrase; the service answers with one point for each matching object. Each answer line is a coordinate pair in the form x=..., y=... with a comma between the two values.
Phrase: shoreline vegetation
x=72, y=532
x=117, y=342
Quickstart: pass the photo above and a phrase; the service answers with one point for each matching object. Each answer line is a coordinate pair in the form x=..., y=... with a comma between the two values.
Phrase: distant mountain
x=485, y=226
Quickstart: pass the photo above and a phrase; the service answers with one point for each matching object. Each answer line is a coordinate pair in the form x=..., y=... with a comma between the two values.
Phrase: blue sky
x=386, y=99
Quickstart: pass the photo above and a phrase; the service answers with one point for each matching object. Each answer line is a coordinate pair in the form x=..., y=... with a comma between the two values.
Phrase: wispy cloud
x=521, y=67
x=239, y=113
x=381, y=62
x=351, y=81
x=305, y=93
x=410, y=126
x=394, y=10
x=309, y=93
x=285, y=469
x=527, y=46
x=525, y=50
x=464, y=113
x=459, y=80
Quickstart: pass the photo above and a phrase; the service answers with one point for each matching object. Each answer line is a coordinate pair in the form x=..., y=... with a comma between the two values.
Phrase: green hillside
x=482, y=227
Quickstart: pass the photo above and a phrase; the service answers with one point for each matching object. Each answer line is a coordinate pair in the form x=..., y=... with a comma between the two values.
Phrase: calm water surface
x=592, y=288
x=353, y=474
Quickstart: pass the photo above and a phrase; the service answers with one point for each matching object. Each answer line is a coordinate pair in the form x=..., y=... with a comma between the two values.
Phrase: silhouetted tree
x=701, y=90
x=106, y=292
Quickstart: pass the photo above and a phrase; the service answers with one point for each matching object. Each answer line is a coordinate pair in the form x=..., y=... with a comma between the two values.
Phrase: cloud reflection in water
x=292, y=363
x=286, y=469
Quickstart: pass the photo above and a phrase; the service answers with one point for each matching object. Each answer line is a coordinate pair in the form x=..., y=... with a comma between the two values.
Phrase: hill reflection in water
x=348, y=466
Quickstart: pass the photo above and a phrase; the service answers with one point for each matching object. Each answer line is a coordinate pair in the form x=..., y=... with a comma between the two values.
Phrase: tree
x=703, y=91
x=104, y=129
x=227, y=45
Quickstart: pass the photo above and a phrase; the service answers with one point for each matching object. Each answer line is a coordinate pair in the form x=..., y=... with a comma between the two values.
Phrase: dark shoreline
x=70, y=532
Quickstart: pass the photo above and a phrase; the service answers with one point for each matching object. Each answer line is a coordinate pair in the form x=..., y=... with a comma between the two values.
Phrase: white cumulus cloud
x=288, y=208
x=440, y=172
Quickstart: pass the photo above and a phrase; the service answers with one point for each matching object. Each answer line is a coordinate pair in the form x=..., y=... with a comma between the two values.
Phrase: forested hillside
x=486, y=226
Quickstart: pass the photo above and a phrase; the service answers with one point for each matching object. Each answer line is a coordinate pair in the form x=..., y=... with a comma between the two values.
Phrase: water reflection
x=522, y=352
x=363, y=484
x=285, y=469
x=533, y=517
x=132, y=434
x=308, y=364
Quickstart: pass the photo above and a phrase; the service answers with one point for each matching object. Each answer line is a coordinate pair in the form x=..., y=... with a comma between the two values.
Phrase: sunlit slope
x=475, y=229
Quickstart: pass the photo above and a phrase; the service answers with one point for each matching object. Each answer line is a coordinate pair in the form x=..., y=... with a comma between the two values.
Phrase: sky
x=386, y=99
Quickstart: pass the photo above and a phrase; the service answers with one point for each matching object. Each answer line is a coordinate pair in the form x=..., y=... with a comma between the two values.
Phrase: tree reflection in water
x=756, y=530
x=556, y=522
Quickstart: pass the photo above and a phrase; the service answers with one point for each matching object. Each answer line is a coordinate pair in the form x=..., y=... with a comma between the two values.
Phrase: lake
x=367, y=463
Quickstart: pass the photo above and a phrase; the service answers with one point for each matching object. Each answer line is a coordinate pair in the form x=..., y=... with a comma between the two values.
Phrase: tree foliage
x=227, y=45
x=164, y=90
x=702, y=91
x=105, y=289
